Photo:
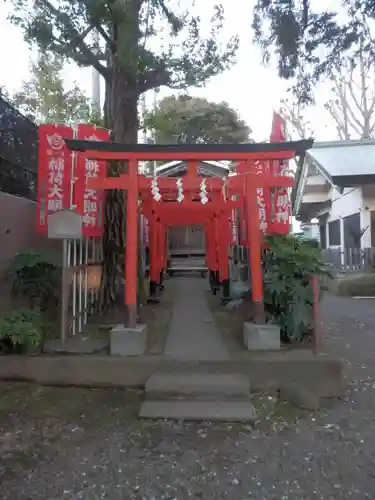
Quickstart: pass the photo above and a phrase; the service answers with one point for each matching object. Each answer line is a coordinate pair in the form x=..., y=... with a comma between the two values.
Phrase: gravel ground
x=88, y=444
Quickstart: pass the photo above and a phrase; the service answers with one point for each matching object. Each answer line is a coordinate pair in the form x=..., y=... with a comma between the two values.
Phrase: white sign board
x=65, y=224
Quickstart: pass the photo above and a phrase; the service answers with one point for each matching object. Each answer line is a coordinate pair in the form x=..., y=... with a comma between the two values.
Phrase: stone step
x=193, y=386
x=224, y=411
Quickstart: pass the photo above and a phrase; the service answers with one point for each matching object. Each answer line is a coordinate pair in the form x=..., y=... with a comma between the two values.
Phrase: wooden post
x=208, y=245
x=160, y=237
x=131, y=253
x=254, y=245
x=153, y=242
x=317, y=331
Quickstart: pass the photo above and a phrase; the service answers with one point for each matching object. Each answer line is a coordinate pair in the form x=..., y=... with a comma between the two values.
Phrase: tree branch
x=292, y=114
x=77, y=39
x=346, y=108
x=155, y=76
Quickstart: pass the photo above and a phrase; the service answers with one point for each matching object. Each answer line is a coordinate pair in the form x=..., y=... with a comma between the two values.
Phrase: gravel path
x=88, y=444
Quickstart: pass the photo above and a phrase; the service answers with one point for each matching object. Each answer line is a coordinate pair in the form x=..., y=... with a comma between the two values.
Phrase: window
x=352, y=231
x=323, y=235
x=334, y=236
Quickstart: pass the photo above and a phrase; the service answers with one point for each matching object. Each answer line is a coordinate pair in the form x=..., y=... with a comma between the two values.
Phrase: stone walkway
x=192, y=332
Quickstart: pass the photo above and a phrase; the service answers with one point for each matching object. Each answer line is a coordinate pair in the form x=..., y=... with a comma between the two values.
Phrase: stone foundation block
x=261, y=337
x=128, y=341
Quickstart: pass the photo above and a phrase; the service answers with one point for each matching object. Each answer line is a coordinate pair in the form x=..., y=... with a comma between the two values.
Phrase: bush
x=355, y=284
x=34, y=276
x=20, y=331
x=290, y=262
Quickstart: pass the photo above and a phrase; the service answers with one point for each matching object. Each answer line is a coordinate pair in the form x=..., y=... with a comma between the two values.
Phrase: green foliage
x=311, y=43
x=290, y=262
x=44, y=97
x=35, y=276
x=20, y=331
x=196, y=120
x=128, y=29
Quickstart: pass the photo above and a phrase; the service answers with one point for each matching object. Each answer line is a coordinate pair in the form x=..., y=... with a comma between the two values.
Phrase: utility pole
x=95, y=81
x=153, y=132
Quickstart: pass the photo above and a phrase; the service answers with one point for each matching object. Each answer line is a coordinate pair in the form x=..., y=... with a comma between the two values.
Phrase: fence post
x=317, y=331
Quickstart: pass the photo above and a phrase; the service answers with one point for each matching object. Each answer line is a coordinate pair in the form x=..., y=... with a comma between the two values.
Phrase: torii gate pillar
x=131, y=249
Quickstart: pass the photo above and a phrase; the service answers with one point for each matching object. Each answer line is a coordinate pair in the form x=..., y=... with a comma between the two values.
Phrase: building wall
x=17, y=233
x=344, y=205
x=348, y=203
x=17, y=228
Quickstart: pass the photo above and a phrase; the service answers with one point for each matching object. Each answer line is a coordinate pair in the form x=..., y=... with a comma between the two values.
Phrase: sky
x=253, y=90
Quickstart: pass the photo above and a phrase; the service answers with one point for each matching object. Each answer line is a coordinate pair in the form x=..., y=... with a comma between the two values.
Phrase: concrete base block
x=299, y=396
x=128, y=341
x=224, y=411
x=197, y=386
x=78, y=344
x=261, y=337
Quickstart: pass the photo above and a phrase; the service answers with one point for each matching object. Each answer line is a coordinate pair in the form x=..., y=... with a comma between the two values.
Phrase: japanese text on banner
x=260, y=170
x=54, y=172
x=90, y=202
x=90, y=197
x=282, y=203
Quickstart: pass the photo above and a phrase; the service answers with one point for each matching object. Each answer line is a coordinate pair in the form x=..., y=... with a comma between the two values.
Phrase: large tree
x=352, y=104
x=144, y=44
x=294, y=114
x=195, y=120
x=45, y=98
x=310, y=41
x=349, y=101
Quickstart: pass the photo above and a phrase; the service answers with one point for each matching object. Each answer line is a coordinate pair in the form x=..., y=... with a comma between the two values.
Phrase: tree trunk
x=121, y=116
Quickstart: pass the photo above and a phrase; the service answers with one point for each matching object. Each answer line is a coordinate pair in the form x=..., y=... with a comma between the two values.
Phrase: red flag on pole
x=278, y=133
x=54, y=172
x=90, y=202
x=281, y=200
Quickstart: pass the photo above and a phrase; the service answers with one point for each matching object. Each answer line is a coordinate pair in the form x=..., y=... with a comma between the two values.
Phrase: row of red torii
x=167, y=202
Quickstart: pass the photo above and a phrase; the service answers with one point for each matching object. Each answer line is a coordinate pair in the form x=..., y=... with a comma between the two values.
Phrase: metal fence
x=339, y=260
x=81, y=278
x=350, y=259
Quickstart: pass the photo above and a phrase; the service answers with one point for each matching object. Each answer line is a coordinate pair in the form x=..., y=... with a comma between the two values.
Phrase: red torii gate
x=213, y=214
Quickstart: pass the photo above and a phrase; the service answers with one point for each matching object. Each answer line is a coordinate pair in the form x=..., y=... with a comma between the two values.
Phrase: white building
x=336, y=186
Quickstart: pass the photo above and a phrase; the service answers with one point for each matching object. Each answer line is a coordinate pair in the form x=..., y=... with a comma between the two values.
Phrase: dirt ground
x=73, y=444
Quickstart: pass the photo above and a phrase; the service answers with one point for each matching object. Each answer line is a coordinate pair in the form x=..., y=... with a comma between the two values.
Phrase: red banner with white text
x=54, y=172
x=262, y=197
x=282, y=209
x=90, y=202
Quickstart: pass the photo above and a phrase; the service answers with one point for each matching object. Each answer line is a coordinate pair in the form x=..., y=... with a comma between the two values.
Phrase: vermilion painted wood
x=207, y=245
x=223, y=247
x=153, y=247
x=192, y=155
x=131, y=250
x=253, y=171
x=234, y=184
x=254, y=244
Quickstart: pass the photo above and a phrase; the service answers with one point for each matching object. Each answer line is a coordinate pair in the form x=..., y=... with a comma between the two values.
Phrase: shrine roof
x=300, y=147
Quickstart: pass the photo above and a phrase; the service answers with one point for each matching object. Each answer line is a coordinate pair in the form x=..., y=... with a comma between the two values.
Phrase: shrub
x=290, y=262
x=34, y=276
x=20, y=331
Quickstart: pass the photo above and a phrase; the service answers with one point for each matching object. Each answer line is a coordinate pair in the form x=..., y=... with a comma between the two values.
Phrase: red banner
x=282, y=208
x=262, y=198
x=54, y=172
x=90, y=202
